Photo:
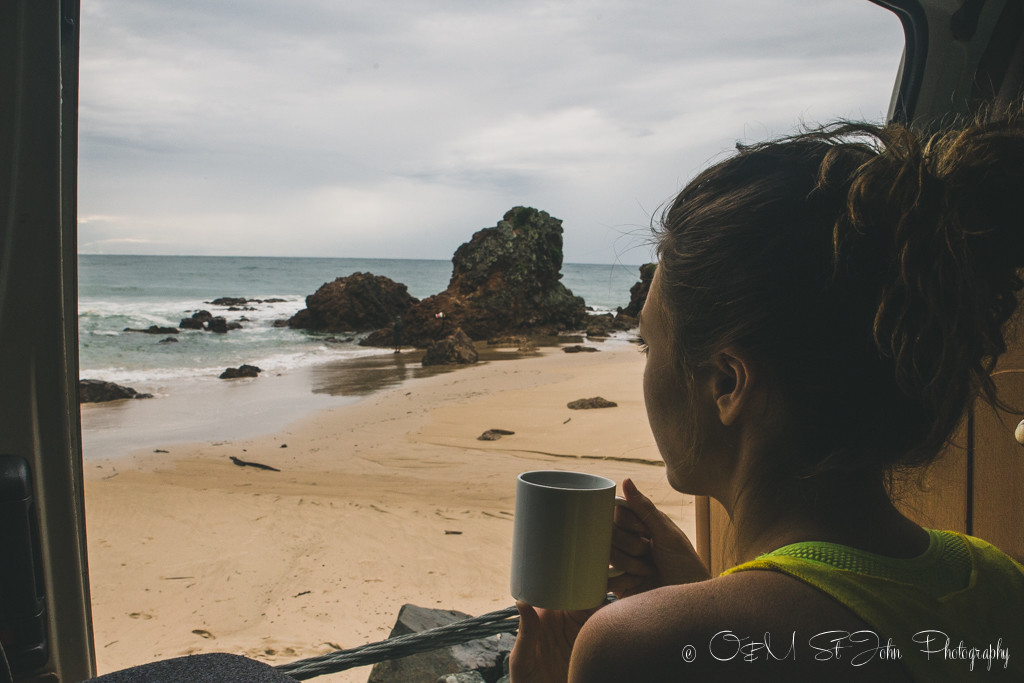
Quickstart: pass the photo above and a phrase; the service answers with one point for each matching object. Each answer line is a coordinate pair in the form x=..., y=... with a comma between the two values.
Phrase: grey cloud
x=290, y=112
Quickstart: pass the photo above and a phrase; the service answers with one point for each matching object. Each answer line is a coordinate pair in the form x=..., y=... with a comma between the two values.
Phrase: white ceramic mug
x=562, y=539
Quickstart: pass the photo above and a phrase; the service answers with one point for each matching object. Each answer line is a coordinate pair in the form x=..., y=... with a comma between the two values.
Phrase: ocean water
x=118, y=292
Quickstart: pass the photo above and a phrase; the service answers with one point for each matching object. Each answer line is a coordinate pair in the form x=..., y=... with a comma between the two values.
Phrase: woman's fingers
x=626, y=519
x=646, y=513
x=630, y=543
x=528, y=619
x=629, y=564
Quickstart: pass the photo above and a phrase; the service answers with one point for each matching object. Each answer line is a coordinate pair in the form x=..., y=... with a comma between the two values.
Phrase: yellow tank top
x=955, y=613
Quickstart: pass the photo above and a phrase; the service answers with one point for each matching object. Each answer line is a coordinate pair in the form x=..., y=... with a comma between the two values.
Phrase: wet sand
x=379, y=501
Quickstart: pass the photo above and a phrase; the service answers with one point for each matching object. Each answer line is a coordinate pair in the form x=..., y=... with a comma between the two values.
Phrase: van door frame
x=39, y=415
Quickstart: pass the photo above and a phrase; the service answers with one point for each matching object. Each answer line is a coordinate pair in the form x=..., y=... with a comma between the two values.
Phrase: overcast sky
x=397, y=128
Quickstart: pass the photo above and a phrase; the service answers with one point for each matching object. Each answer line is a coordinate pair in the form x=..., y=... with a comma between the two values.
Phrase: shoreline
x=205, y=408
x=189, y=553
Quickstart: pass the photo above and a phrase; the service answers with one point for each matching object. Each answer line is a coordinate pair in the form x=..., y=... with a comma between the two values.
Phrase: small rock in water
x=588, y=403
x=217, y=324
x=153, y=329
x=241, y=371
x=168, y=340
x=230, y=301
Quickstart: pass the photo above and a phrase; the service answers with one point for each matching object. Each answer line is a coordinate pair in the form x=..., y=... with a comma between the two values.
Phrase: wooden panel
x=999, y=469
x=937, y=496
x=702, y=522
x=714, y=543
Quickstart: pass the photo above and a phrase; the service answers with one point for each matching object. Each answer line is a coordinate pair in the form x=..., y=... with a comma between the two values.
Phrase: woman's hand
x=650, y=548
x=544, y=644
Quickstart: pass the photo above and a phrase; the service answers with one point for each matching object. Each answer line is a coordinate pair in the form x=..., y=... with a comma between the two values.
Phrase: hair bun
x=951, y=205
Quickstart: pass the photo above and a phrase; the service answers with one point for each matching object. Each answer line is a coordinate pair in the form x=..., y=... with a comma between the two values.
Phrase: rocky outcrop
x=505, y=280
x=638, y=292
x=485, y=656
x=241, y=371
x=98, y=391
x=455, y=349
x=357, y=303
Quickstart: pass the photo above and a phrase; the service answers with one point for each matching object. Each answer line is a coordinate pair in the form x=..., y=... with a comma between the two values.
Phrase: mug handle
x=612, y=571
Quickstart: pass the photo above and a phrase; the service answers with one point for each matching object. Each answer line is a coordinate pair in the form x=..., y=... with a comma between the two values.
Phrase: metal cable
x=492, y=623
x=5, y=668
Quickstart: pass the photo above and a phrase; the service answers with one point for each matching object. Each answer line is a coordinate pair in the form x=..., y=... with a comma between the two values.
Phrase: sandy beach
x=384, y=500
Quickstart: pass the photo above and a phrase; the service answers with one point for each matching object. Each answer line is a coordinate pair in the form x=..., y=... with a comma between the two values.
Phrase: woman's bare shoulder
x=754, y=623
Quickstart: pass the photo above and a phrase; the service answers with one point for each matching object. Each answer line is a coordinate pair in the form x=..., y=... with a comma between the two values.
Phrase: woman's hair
x=870, y=270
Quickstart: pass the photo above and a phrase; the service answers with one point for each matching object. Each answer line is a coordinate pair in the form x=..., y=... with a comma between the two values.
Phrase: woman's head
x=866, y=271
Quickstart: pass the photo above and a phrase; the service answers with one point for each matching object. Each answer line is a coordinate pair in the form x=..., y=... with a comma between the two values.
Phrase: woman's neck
x=849, y=509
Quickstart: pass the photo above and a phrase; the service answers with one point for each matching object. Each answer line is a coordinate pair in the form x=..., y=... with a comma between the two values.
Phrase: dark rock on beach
x=98, y=391
x=357, y=303
x=168, y=340
x=241, y=371
x=579, y=349
x=494, y=434
x=485, y=656
x=590, y=403
x=505, y=280
x=455, y=349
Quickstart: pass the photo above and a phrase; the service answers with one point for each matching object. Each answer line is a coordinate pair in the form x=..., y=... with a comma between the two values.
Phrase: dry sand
x=190, y=553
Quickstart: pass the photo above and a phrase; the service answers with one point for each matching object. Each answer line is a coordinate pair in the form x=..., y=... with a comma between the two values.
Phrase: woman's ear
x=731, y=386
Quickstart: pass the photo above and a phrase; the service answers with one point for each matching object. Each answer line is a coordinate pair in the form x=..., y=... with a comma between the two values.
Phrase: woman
x=824, y=310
